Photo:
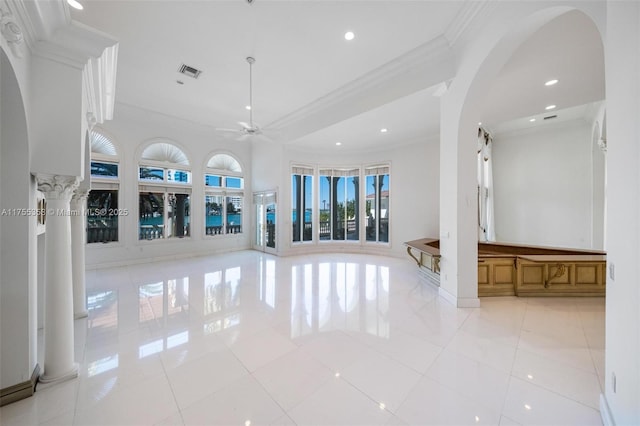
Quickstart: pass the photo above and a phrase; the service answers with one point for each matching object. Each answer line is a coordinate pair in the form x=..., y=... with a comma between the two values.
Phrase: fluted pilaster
x=78, y=242
x=59, y=361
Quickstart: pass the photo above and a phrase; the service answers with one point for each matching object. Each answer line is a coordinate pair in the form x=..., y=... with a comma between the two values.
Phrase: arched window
x=224, y=195
x=102, y=202
x=164, y=182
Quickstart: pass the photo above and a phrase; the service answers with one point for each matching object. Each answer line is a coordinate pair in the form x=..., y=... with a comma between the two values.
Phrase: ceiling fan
x=247, y=129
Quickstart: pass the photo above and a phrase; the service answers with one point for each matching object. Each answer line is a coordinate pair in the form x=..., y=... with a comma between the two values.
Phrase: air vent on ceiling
x=190, y=71
x=549, y=117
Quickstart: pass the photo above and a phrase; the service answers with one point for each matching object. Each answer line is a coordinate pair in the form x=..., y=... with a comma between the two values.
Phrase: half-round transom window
x=101, y=144
x=165, y=153
x=224, y=162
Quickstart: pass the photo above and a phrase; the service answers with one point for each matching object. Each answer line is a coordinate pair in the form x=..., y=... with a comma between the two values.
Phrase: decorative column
x=59, y=362
x=78, y=242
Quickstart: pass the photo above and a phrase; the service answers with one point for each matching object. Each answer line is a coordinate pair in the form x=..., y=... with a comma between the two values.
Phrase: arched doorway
x=461, y=110
x=18, y=316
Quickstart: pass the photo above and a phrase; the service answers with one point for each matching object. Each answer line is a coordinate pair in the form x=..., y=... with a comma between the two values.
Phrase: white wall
x=543, y=185
x=131, y=129
x=414, y=186
x=622, y=60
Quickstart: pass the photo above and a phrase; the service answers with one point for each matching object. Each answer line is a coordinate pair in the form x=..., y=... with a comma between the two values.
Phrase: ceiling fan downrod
x=250, y=60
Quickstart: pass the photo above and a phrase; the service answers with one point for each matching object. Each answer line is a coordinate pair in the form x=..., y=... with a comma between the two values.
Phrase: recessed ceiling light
x=349, y=35
x=532, y=120
x=338, y=143
x=479, y=123
x=551, y=82
x=248, y=107
x=383, y=130
x=550, y=107
x=75, y=4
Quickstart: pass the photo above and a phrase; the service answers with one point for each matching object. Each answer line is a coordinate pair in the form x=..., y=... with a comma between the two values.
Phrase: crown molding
x=75, y=44
x=50, y=33
x=462, y=21
x=415, y=66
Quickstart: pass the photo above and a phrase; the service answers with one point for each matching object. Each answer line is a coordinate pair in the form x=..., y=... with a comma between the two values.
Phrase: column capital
x=602, y=144
x=80, y=194
x=57, y=187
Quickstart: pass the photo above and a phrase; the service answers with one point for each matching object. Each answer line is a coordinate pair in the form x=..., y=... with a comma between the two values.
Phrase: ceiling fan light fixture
x=75, y=4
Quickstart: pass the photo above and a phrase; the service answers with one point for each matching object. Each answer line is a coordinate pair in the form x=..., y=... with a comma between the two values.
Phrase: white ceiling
x=303, y=60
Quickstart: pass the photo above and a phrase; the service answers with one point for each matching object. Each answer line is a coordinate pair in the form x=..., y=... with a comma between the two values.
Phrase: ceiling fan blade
x=218, y=129
x=245, y=125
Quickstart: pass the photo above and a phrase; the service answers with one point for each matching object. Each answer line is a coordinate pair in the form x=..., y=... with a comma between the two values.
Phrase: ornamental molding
x=57, y=187
x=463, y=20
x=80, y=194
x=418, y=69
x=11, y=31
x=47, y=30
x=602, y=144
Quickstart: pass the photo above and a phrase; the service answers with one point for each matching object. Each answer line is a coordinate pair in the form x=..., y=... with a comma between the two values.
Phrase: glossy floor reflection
x=247, y=338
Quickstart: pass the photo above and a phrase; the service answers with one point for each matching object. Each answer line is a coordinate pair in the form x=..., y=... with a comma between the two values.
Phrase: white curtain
x=486, y=223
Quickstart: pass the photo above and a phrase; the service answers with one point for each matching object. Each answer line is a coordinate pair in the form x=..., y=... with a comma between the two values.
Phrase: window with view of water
x=224, y=196
x=164, y=208
x=352, y=204
x=102, y=211
x=302, y=204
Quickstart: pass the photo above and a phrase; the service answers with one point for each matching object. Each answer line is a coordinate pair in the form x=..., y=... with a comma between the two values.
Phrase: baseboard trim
x=459, y=302
x=448, y=296
x=20, y=391
x=605, y=412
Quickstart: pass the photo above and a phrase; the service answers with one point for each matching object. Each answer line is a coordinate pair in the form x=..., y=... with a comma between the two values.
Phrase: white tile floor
x=246, y=339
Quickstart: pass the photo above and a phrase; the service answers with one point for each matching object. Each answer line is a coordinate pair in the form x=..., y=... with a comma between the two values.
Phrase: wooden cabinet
x=560, y=276
x=515, y=269
x=497, y=276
